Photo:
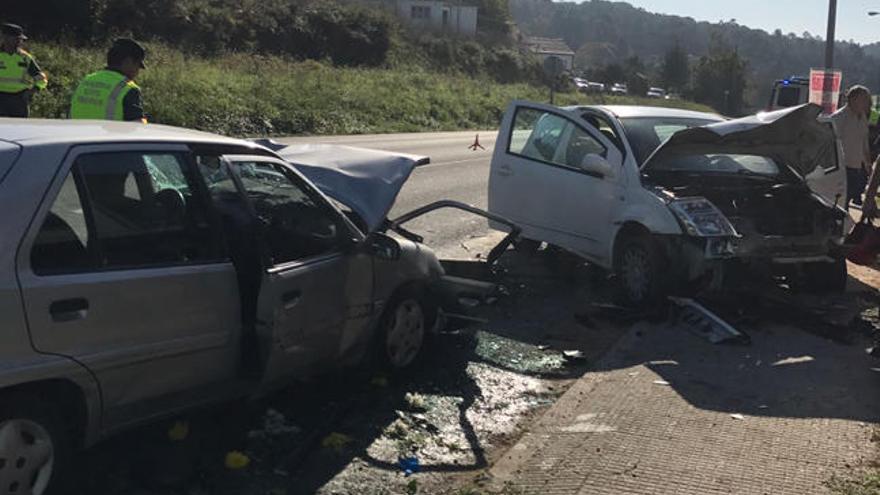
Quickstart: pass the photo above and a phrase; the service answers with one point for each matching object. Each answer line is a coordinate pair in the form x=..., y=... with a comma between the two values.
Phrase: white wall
x=458, y=19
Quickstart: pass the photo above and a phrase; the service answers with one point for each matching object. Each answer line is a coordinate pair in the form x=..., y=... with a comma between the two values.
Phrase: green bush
x=250, y=95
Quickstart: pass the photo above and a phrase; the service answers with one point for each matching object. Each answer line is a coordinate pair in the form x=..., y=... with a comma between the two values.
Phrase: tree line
x=724, y=60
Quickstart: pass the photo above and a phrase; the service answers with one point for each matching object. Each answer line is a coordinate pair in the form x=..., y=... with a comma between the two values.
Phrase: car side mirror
x=595, y=164
x=383, y=247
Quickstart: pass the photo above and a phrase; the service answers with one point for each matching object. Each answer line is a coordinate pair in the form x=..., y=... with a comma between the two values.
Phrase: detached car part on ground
x=674, y=200
x=149, y=269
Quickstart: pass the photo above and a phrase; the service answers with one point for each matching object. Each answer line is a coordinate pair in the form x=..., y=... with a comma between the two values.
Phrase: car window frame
x=572, y=121
x=353, y=233
x=622, y=145
x=66, y=169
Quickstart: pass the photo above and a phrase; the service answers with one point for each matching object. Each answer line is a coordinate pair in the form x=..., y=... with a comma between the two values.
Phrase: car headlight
x=700, y=218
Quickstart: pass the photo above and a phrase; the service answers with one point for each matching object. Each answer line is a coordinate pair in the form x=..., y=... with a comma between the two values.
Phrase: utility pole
x=829, y=55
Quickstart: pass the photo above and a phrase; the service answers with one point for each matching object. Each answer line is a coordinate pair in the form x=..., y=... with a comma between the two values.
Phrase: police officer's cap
x=131, y=48
x=9, y=29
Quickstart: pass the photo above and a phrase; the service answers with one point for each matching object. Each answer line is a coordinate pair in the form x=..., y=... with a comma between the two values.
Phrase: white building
x=439, y=16
x=551, y=47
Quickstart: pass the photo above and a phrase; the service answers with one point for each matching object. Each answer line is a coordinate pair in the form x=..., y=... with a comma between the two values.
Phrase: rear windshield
x=8, y=154
x=645, y=134
x=717, y=163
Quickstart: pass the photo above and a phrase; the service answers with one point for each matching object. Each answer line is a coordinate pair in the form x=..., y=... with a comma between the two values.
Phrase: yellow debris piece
x=237, y=460
x=335, y=441
x=179, y=431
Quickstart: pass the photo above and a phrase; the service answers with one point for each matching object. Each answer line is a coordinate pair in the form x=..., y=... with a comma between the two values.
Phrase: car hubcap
x=635, y=269
x=406, y=333
x=26, y=457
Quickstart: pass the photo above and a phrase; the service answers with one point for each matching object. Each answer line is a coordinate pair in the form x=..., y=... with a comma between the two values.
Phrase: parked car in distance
x=619, y=89
x=656, y=93
x=150, y=269
x=670, y=199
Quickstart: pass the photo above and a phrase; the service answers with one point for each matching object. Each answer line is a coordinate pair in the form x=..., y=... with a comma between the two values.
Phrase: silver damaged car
x=145, y=270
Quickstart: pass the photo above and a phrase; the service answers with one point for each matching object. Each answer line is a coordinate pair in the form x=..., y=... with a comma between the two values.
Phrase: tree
x=636, y=79
x=675, y=71
x=720, y=79
x=493, y=16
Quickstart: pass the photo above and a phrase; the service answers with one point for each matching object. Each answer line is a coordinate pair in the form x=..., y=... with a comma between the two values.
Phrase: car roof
x=630, y=111
x=47, y=131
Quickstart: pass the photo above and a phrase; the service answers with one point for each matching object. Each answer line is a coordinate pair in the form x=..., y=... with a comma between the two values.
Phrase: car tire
x=526, y=246
x=403, y=330
x=35, y=447
x=824, y=277
x=637, y=270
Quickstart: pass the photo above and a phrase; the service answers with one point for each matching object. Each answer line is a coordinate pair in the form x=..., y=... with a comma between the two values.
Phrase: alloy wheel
x=405, y=334
x=27, y=457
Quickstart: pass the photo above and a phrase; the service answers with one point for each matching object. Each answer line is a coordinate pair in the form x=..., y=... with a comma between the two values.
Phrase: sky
x=791, y=16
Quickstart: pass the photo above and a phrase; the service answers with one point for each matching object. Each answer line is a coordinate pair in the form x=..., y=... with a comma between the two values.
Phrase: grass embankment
x=246, y=94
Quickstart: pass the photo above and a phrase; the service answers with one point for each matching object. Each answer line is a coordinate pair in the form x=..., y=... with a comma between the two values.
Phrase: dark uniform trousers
x=15, y=104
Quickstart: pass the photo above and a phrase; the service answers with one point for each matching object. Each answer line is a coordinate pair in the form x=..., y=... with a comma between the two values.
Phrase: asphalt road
x=455, y=172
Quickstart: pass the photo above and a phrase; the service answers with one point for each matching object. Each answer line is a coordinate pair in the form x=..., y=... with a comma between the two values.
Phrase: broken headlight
x=700, y=218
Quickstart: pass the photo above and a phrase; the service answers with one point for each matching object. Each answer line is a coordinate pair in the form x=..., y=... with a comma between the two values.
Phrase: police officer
x=111, y=93
x=20, y=76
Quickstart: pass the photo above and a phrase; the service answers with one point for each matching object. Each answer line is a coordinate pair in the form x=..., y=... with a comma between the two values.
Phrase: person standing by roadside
x=20, y=76
x=851, y=126
x=111, y=93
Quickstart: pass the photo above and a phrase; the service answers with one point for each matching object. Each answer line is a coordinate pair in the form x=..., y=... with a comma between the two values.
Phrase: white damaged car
x=716, y=200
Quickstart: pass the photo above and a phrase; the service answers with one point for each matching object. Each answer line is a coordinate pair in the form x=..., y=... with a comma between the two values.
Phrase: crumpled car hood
x=367, y=181
x=793, y=135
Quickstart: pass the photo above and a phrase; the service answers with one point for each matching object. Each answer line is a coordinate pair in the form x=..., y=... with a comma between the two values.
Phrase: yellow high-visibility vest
x=14, y=77
x=99, y=96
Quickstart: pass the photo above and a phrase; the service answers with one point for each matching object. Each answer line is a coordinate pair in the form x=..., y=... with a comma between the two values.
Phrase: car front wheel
x=637, y=270
x=404, y=331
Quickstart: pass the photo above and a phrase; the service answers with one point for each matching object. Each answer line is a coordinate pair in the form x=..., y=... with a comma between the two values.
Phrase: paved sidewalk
x=808, y=409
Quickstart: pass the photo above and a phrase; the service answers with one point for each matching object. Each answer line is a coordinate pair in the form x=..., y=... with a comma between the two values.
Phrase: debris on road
x=236, y=460
x=574, y=356
x=409, y=465
x=661, y=382
x=336, y=441
x=179, y=431
x=737, y=416
x=703, y=322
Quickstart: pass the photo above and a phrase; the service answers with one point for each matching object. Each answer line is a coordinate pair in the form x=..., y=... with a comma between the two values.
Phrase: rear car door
x=536, y=178
x=316, y=286
x=123, y=270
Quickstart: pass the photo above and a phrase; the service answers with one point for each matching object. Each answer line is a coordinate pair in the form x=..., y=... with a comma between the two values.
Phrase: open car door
x=312, y=299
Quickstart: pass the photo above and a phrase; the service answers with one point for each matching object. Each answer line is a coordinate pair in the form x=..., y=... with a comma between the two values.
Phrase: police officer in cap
x=111, y=93
x=20, y=76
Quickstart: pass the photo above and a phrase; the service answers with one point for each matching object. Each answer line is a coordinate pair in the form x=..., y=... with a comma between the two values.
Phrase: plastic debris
x=701, y=321
x=274, y=425
x=179, y=431
x=661, y=382
x=737, y=416
x=336, y=441
x=236, y=460
x=574, y=356
x=409, y=465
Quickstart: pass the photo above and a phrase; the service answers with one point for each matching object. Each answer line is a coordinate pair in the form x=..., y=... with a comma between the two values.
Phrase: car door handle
x=290, y=299
x=505, y=171
x=66, y=310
